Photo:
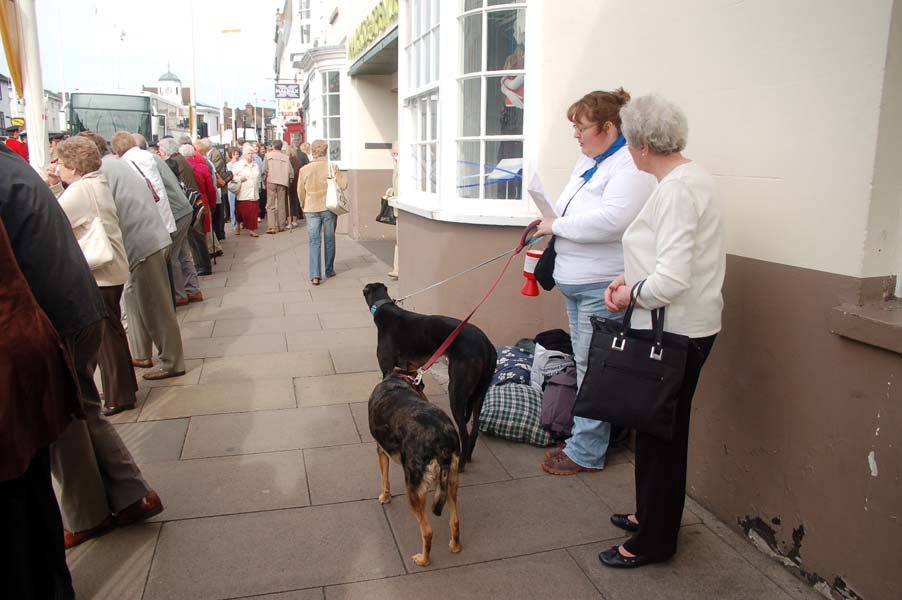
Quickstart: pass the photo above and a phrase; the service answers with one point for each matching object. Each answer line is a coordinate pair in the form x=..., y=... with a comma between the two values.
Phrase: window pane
x=497, y=2
x=333, y=81
x=334, y=150
x=334, y=104
x=504, y=105
x=504, y=170
x=468, y=169
x=416, y=63
x=472, y=43
x=505, y=32
x=435, y=51
x=433, y=117
x=471, y=123
x=417, y=8
x=433, y=168
x=325, y=87
x=427, y=59
x=427, y=15
x=424, y=119
x=424, y=167
x=470, y=4
x=334, y=127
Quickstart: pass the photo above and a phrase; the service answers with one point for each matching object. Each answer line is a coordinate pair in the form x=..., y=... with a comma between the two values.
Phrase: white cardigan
x=677, y=245
x=588, y=236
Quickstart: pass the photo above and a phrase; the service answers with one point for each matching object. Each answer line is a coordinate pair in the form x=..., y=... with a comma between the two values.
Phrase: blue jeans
x=232, y=208
x=325, y=220
x=588, y=442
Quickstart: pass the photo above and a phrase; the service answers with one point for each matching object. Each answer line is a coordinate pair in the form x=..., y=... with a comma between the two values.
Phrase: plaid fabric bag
x=512, y=412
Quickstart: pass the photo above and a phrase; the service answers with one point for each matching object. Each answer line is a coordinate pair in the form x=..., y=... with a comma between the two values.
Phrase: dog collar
x=378, y=303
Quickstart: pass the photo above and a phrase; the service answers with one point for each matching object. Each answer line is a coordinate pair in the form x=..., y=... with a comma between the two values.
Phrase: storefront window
x=492, y=67
x=421, y=104
x=332, y=113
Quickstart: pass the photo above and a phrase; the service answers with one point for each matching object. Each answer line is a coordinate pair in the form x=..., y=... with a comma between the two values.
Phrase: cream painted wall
x=374, y=118
x=783, y=100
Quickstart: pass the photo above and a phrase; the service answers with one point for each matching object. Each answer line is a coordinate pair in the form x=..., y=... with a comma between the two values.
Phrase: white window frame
x=447, y=205
x=323, y=76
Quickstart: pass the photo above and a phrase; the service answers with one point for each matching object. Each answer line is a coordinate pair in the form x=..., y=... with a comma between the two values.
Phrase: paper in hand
x=537, y=193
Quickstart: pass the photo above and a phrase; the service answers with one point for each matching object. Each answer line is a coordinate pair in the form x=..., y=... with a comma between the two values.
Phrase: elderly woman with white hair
x=676, y=246
x=247, y=175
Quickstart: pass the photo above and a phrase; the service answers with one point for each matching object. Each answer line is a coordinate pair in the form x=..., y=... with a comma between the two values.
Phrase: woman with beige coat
x=313, y=182
x=87, y=197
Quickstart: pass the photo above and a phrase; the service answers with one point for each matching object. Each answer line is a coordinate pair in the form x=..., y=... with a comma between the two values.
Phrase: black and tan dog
x=422, y=439
x=406, y=340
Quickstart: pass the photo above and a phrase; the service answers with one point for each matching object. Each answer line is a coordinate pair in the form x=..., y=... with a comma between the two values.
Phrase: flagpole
x=33, y=86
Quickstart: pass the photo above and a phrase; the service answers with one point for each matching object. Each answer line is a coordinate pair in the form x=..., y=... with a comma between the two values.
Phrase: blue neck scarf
x=619, y=143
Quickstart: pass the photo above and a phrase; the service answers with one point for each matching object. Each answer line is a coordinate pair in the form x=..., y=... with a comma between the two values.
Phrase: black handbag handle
x=657, y=321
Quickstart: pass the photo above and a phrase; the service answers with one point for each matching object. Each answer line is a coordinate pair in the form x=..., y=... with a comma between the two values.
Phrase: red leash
x=524, y=241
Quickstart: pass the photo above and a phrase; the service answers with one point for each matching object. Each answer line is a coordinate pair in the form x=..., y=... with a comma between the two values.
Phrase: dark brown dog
x=406, y=340
x=422, y=439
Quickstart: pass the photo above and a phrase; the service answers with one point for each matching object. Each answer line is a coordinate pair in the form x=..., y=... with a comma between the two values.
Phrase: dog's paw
x=384, y=498
x=420, y=560
x=454, y=546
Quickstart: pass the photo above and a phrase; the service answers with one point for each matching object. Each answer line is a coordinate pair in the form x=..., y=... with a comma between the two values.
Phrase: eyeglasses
x=579, y=128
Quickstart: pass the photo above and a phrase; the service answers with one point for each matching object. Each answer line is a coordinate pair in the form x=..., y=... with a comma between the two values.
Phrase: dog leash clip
x=419, y=378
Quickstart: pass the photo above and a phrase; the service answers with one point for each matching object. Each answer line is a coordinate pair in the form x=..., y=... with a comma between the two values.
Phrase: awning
x=380, y=59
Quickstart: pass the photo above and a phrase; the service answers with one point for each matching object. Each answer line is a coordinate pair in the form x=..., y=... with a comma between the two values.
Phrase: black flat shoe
x=115, y=410
x=613, y=558
x=623, y=522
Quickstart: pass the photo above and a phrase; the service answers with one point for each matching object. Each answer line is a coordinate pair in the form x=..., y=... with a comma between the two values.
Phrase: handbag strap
x=657, y=319
x=566, y=206
x=156, y=197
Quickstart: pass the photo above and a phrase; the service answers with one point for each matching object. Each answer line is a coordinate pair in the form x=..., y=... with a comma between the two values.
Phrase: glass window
x=421, y=103
x=492, y=83
x=332, y=113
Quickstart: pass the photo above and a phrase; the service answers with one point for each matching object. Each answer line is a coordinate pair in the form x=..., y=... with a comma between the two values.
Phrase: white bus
x=106, y=112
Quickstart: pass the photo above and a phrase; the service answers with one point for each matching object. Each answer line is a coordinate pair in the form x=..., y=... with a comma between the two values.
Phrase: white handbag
x=96, y=245
x=336, y=201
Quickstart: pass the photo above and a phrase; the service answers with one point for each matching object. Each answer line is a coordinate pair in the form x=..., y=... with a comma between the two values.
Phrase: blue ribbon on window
x=515, y=175
x=619, y=143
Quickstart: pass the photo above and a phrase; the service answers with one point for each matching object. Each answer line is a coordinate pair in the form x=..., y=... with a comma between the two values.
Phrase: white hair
x=186, y=150
x=655, y=121
x=247, y=148
x=168, y=146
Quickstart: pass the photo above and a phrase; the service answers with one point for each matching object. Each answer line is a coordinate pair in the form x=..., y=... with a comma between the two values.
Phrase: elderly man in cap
x=19, y=147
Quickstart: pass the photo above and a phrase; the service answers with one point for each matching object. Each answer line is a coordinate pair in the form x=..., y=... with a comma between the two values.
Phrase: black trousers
x=32, y=556
x=661, y=470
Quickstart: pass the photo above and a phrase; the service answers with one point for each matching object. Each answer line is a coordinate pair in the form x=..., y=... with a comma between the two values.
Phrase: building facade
x=795, y=108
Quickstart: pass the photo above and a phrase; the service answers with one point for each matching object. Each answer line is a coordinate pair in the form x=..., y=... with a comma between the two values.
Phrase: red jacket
x=205, y=185
x=18, y=147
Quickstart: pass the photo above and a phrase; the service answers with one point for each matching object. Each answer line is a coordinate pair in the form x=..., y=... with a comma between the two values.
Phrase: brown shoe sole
x=155, y=375
x=564, y=472
x=142, y=363
x=72, y=539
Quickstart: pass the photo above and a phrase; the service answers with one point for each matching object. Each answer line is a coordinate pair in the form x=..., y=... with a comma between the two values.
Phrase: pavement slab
x=359, y=317
x=200, y=329
x=258, y=325
x=247, y=311
x=336, y=389
x=233, y=484
x=267, y=343
x=354, y=360
x=267, y=366
x=218, y=398
x=269, y=431
x=536, y=577
x=193, y=368
x=156, y=441
x=347, y=473
x=704, y=567
x=267, y=552
x=313, y=594
x=510, y=518
x=321, y=308
x=114, y=565
x=256, y=299
x=357, y=338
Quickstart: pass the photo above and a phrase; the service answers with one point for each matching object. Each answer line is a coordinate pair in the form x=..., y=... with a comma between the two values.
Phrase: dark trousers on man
x=32, y=556
x=117, y=375
x=661, y=470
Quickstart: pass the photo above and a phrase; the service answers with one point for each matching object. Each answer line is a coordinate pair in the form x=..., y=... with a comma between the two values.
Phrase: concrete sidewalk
x=263, y=458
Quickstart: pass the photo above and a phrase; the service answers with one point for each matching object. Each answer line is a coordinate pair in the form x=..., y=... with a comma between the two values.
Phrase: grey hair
x=184, y=139
x=653, y=120
x=169, y=146
x=186, y=150
x=247, y=147
x=140, y=141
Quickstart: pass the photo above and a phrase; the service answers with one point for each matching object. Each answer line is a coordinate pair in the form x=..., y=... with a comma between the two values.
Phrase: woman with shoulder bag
x=675, y=250
x=88, y=203
x=313, y=183
x=604, y=194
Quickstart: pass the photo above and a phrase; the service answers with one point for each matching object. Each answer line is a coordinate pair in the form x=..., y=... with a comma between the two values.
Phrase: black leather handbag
x=633, y=377
x=386, y=213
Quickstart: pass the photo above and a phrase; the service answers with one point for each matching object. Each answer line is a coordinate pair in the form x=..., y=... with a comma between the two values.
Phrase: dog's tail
x=441, y=490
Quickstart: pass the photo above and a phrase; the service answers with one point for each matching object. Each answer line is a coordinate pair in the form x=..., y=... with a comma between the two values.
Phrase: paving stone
x=358, y=338
x=510, y=518
x=336, y=389
x=314, y=594
x=269, y=431
x=324, y=294
x=193, y=369
x=218, y=398
x=704, y=567
x=320, y=308
x=245, y=279
x=130, y=416
x=260, y=288
x=242, y=345
x=616, y=485
x=156, y=441
x=267, y=552
x=114, y=565
x=259, y=325
x=217, y=280
x=258, y=299
x=267, y=366
x=215, y=313
x=360, y=412
x=200, y=329
x=519, y=460
x=359, y=317
x=537, y=577
x=354, y=360
x=267, y=266
x=233, y=484
x=346, y=473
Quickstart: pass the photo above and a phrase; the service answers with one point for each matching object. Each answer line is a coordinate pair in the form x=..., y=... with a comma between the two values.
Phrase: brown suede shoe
x=556, y=450
x=141, y=510
x=181, y=301
x=142, y=363
x=561, y=464
x=74, y=538
x=161, y=374
x=198, y=297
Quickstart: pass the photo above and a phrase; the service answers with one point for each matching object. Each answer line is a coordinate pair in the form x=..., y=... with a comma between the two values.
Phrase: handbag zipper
x=632, y=371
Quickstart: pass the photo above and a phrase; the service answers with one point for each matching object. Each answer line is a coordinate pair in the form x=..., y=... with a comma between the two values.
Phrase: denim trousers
x=232, y=209
x=321, y=226
x=588, y=442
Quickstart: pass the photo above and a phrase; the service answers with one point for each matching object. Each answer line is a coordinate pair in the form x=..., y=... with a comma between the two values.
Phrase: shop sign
x=288, y=90
x=385, y=13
